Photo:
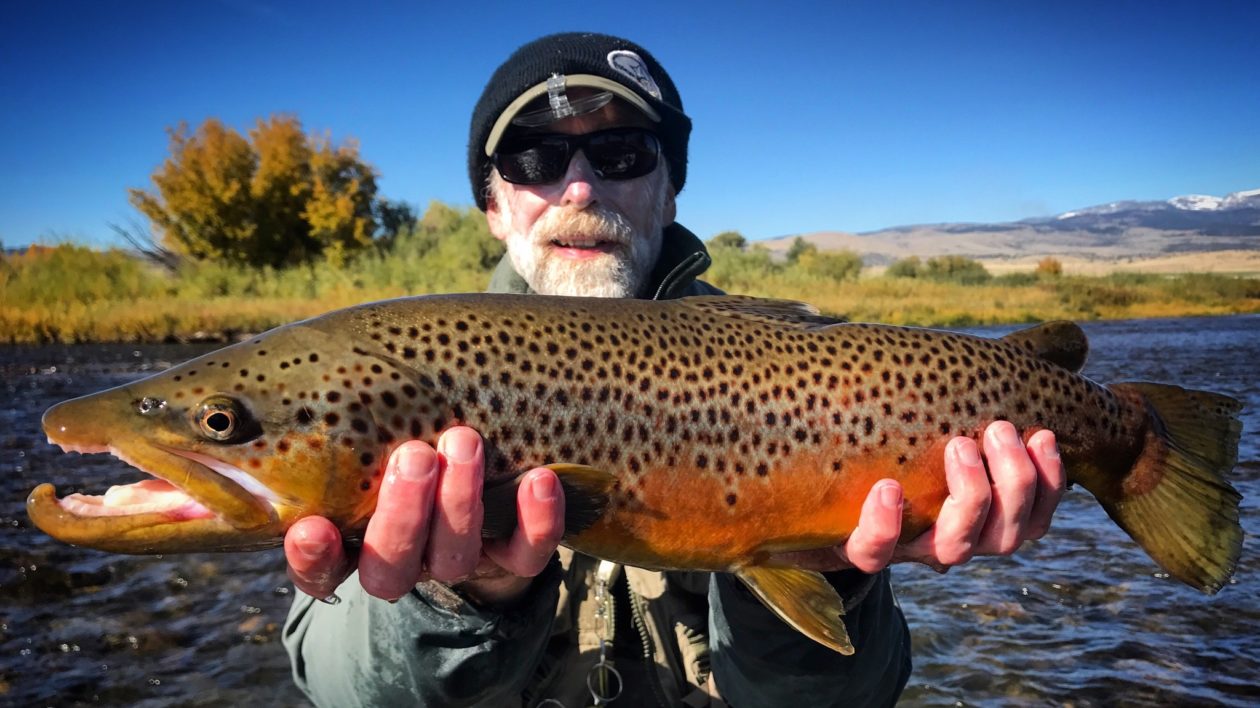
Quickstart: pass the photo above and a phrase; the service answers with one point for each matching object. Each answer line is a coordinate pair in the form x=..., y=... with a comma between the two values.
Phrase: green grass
x=70, y=293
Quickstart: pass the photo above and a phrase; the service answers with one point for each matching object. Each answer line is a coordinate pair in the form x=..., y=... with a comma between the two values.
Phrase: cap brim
x=585, y=80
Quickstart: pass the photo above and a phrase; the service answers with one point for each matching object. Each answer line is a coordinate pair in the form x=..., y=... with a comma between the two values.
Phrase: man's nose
x=579, y=183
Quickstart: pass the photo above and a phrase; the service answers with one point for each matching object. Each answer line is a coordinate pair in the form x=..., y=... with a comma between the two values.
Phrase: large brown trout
x=703, y=434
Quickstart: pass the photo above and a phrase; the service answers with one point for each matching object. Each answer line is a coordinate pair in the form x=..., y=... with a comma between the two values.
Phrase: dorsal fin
x=1060, y=342
x=787, y=313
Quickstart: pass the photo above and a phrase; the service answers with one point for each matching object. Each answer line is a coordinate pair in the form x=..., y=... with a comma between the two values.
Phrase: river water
x=1079, y=618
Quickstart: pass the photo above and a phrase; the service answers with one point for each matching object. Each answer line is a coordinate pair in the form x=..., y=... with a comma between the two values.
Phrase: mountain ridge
x=1117, y=230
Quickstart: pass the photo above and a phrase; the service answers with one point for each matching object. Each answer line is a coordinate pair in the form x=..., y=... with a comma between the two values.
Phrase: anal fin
x=804, y=599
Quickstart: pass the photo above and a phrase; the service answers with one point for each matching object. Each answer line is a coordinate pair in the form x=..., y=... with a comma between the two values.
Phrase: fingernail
x=1004, y=435
x=544, y=487
x=890, y=496
x=414, y=463
x=461, y=446
x=967, y=452
x=1049, y=450
x=310, y=548
x=331, y=600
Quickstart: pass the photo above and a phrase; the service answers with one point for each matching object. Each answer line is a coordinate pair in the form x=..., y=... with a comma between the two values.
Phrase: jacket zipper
x=649, y=650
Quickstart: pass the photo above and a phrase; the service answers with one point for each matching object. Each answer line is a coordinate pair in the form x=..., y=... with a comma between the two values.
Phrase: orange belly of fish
x=689, y=519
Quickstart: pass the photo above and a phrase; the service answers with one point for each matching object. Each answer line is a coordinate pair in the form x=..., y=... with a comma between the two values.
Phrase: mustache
x=597, y=222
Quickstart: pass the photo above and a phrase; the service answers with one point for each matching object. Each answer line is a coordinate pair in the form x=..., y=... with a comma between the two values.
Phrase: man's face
x=582, y=235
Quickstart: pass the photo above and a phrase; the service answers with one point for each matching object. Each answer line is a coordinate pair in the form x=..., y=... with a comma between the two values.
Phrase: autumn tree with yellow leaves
x=278, y=197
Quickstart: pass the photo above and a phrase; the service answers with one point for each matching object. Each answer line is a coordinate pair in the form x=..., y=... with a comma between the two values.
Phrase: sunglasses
x=614, y=154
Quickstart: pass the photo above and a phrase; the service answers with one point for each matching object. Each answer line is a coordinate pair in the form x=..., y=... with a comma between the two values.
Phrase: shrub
x=799, y=248
x=54, y=275
x=728, y=239
x=956, y=269
x=833, y=265
x=910, y=267
x=1049, y=267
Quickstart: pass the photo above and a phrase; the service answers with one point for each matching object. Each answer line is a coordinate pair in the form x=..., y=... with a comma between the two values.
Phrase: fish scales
x=705, y=433
x=750, y=429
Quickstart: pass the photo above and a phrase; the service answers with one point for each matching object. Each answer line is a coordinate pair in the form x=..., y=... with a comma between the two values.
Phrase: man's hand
x=427, y=525
x=988, y=512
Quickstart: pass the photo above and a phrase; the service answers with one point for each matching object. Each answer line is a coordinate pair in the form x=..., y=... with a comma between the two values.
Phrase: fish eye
x=218, y=424
x=222, y=420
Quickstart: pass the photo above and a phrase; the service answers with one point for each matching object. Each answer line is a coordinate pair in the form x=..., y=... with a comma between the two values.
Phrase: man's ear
x=671, y=206
x=496, y=218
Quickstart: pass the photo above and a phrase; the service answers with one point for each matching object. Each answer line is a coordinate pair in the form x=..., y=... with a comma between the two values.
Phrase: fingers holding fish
x=953, y=539
x=455, y=538
x=870, y=547
x=1051, y=482
x=317, y=560
x=390, y=563
x=540, y=512
x=1014, y=479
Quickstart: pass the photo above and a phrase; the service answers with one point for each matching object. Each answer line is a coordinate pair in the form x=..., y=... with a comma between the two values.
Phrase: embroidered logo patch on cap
x=632, y=66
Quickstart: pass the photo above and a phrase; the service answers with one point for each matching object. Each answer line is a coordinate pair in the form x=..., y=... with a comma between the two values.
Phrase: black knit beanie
x=583, y=59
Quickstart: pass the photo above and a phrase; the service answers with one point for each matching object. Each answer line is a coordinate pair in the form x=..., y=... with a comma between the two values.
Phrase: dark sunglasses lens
x=615, y=155
x=619, y=156
x=539, y=163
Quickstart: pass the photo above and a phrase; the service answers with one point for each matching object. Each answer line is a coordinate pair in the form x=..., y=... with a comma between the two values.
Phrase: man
x=577, y=151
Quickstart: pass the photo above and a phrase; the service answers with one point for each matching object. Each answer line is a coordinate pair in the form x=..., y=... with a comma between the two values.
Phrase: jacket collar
x=683, y=258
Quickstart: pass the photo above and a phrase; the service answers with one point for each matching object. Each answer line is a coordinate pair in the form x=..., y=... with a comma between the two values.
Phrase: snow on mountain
x=1249, y=199
x=1197, y=202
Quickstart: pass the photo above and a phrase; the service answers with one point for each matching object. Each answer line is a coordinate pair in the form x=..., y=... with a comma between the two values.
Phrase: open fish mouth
x=215, y=505
x=150, y=496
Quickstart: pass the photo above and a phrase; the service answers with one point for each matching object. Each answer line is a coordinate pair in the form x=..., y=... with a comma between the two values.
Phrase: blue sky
x=808, y=116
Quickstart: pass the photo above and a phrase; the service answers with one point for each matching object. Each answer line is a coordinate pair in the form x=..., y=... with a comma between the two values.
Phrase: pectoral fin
x=805, y=600
x=586, y=491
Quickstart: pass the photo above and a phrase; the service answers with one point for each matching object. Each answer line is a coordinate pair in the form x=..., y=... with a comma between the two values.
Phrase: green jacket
x=704, y=633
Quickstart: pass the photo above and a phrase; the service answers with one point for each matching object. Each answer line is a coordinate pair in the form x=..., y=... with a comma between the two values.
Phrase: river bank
x=903, y=301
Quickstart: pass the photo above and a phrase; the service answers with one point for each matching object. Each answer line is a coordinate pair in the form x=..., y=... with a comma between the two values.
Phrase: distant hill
x=1120, y=230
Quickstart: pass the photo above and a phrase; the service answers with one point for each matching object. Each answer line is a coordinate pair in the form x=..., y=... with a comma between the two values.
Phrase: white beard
x=623, y=272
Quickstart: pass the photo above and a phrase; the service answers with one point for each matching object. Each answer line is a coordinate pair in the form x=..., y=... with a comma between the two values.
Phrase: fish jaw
x=196, y=502
x=180, y=529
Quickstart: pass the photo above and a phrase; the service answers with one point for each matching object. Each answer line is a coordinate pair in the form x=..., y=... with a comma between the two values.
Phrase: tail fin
x=586, y=491
x=1175, y=502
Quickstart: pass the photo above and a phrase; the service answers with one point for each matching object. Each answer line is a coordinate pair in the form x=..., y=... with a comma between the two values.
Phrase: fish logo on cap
x=632, y=66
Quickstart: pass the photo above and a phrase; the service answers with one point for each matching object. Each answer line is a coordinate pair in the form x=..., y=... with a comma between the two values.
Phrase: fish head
x=241, y=443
